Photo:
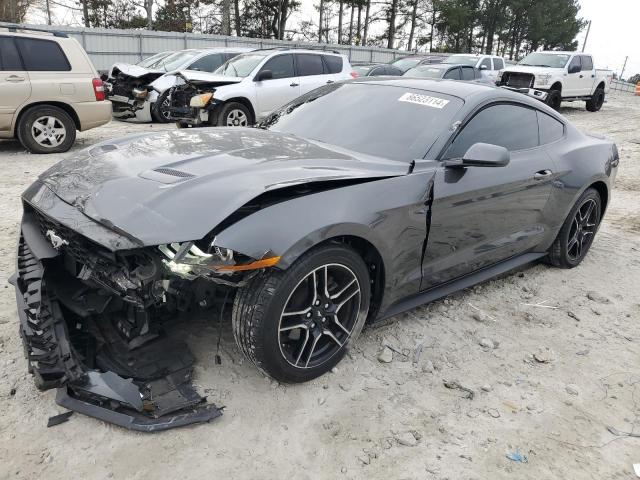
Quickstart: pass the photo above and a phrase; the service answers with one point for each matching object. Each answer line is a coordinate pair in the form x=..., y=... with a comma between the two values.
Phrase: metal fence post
x=140, y=57
x=185, y=41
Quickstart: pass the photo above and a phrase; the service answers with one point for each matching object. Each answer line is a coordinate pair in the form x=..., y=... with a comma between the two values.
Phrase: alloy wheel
x=237, y=118
x=48, y=131
x=583, y=229
x=319, y=316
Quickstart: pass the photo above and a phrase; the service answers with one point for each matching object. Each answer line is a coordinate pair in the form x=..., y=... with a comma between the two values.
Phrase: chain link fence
x=108, y=46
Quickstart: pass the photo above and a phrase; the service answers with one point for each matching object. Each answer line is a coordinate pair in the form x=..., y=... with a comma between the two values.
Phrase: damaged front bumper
x=530, y=92
x=75, y=341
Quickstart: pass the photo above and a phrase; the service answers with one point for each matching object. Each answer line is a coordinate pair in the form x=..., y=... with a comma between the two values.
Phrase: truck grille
x=518, y=80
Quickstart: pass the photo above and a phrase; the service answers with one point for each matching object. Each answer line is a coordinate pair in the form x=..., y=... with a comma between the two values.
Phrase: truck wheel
x=554, y=99
x=46, y=129
x=160, y=109
x=234, y=114
x=597, y=99
x=297, y=324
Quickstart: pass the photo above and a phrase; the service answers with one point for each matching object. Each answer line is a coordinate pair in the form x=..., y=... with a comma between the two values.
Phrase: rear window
x=334, y=63
x=498, y=64
x=42, y=55
x=9, y=58
x=468, y=73
x=309, y=64
x=550, y=129
x=587, y=63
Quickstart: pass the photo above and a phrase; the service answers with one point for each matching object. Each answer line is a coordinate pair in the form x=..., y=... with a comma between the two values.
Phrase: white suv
x=489, y=65
x=250, y=86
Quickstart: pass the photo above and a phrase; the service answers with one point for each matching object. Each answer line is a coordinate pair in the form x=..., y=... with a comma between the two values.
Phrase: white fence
x=108, y=46
x=622, y=86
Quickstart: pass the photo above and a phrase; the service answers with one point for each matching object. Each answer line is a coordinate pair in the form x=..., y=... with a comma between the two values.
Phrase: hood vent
x=173, y=172
x=166, y=175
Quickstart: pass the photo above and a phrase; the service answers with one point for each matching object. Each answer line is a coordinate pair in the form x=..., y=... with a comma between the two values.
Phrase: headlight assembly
x=187, y=259
x=201, y=100
x=543, y=79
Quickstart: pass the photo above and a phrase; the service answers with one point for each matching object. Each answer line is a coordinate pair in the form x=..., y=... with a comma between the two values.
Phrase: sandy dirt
x=564, y=367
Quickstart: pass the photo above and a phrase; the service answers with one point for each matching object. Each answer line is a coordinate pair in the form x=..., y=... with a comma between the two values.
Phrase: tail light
x=98, y=89
x=354, y=74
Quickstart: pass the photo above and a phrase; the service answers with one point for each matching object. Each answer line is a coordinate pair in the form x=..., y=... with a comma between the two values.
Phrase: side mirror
x=482, y=155
x=484, y=67
x=574, y=68
x=263, y=75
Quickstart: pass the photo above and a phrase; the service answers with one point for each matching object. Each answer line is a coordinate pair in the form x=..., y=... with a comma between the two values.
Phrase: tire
x=46, y=129
x=566, y=254
x=159, y=113
x=554, y=99
x=234, y=114
x=597, y=99
x=266, y=311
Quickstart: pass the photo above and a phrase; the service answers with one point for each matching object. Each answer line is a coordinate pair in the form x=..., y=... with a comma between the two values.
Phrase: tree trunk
x=284, y=14
x=226, y=17
x=359, y=25
x=392, y=23
x=321, y=10
x=414, y=14
x=433, y=27
x=238, y=20
x=351, y=27
x=340, y=12
x=85, y=12
x=366, y=22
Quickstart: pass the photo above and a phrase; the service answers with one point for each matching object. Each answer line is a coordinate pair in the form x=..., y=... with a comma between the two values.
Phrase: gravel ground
x=563, y=367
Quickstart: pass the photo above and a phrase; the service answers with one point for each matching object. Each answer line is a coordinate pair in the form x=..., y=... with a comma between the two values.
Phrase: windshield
x=362, y=70
x=462, y=60
x=148, y=62
x=426, y=71
x=242, y=65
x=175, y=60
x=552, y=60
x=349, y=115
x=405, y=64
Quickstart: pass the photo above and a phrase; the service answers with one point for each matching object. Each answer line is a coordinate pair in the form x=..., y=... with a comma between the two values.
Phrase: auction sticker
x=425, y=100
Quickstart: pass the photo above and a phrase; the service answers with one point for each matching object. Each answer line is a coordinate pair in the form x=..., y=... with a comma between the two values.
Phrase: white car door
x=573, y=81
x=485, y=68
x=311, y=72
x=281, y=88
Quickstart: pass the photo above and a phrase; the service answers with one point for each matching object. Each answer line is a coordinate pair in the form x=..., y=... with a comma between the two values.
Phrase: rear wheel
x=577, y=232
x=46, y=129
x=296, y=324
x=554, y=99
x=596, y=101
x=234, y=114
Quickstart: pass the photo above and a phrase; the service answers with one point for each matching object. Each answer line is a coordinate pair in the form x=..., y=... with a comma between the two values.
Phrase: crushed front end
x=105, y=326
x=129, y=94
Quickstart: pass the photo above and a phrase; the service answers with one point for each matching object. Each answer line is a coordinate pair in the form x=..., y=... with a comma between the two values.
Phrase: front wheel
x=296, y=324
x=554, y=99
x=577, y=232
x=234, y=114
x=160, y=109
x=596, y=101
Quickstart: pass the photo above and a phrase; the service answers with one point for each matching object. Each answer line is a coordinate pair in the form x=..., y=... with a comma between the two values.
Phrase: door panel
x=311, y=72
x=15, y=86
x=281, y=89
x=573, y=81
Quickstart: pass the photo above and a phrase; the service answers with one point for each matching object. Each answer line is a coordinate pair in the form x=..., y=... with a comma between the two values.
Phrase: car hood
x=134, y=71
x=534, y=70
x=196, y=77
x=177, y=185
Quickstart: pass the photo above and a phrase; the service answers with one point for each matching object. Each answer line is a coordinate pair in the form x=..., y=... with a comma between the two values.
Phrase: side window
x=42, y=55
x=281, y=66
x=486, y=63
x=498, y=63
x=207, y=64
x=453, y=74
x=506, y=125
x=575, y=61
x=550, y=128
x=9, y=58
x=587, y=63
x=468, y=73
x=309, y=64
x=334, y=63
x=377, y=71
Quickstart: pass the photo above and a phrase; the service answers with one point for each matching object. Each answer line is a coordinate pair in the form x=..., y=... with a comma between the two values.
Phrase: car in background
x=411, y=61
x=489, y=65
x=250, y=86
x=555, y=77
x=448, y=72
x=48, y=89
x=376, y=70
x=139, y=91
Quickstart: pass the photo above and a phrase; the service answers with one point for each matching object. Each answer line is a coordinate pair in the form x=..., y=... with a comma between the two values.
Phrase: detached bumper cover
x=151, y=389
x=530, y=92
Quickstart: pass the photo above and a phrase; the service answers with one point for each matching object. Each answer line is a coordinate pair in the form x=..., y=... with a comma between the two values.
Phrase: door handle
x=542, y=174
x=294, y=84
x=14, y=78
x=581, y=76
x=329, y=81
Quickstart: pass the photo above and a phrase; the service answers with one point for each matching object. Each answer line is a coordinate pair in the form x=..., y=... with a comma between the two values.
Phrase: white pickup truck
x=556, y=77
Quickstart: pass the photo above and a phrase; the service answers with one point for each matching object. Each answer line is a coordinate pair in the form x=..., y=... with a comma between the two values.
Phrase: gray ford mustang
x=351, y=204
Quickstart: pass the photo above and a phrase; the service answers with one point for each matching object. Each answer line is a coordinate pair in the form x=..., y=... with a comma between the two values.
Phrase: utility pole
x=48, y=12
x=586, y=36
x=624, y=66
